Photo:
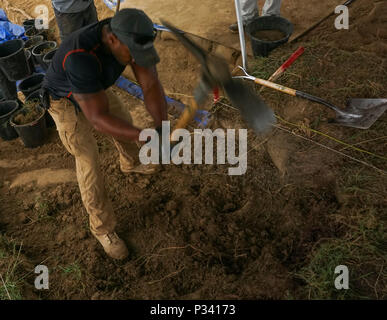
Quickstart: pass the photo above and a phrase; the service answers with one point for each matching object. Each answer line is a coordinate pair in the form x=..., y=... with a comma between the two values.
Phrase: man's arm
x=81, y=70
x=154, y=96
x=95, y=107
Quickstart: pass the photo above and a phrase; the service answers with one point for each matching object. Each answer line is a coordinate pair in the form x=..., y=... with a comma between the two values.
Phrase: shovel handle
x=118, y=5
x=276, y=86
x=188, y=114
x=296, y=93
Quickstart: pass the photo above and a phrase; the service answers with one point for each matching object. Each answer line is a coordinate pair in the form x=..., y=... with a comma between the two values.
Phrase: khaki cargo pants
x=76, y=134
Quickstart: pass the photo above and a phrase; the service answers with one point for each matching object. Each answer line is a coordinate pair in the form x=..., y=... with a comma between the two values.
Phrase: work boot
x=127, y=167
x=113, y=245
x=234, y=28
x=141, y=169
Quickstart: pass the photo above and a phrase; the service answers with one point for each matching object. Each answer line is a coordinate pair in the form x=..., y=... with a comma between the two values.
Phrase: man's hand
x=95, y=107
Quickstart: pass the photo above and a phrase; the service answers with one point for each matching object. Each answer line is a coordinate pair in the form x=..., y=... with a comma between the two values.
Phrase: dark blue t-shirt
x=81, y=65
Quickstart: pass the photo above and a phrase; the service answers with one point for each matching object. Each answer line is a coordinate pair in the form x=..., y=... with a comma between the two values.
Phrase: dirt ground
x=313, y=196
x=212, y=18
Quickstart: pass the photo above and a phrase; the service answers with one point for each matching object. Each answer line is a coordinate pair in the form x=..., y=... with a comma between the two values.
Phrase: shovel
x=359, y=113
x=215, y=73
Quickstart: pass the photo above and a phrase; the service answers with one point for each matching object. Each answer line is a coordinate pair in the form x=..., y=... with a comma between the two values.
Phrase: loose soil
x=30, y=114
x=212, y=18
x=45, y=51
x=33, y=32
x=269, y=35
x=306, y=204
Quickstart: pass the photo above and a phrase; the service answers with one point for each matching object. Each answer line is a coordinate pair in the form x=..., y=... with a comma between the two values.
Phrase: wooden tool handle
x=292, y=58
x=276, y=86
x=285, y=65
x=118, y=5
x=188, y=114
x=297, y=93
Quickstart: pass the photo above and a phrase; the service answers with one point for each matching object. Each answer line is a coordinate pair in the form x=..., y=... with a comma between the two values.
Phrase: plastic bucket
x=33, y=42
x=40, y=50
x=8, y=88
x=34, y=133
x=29, y=23
x=264, y=47
x=7, y=109
x=50, y=123
x=47, y=58
x=31, y=84
x=30, y=61
x=32, y=32
x=13, y=60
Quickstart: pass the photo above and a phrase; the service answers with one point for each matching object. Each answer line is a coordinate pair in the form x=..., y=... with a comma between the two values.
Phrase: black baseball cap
x=134, y=28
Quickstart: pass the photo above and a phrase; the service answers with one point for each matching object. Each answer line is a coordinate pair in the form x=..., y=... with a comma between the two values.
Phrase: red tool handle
x=292, y=58
x=286, y=64
x=216, y=94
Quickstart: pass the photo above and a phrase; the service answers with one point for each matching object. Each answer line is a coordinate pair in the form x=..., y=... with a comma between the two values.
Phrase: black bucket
x=47, y=58
x=31, y=84
x=32, y=32
x=7, y=109
x=29, y=23
x=38, y=51
x=13, y=60
x=8, y=88
x=33, y=42
x=34, y=133
x=264, y=47
x=50, y=123
x=30, y=61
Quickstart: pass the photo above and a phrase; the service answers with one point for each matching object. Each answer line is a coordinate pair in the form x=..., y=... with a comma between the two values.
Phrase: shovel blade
x=369, y=110
x=192, y=47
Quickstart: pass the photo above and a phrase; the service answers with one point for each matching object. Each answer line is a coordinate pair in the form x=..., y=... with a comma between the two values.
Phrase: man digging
x=78, y=81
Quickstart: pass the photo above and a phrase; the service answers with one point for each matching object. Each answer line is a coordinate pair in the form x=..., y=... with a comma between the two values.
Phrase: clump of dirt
x=33, y=32
x=46, y=50
x=269, y=35
x=31, y=112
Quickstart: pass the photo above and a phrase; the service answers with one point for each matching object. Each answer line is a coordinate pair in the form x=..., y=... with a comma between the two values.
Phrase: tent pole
x=241, y=33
